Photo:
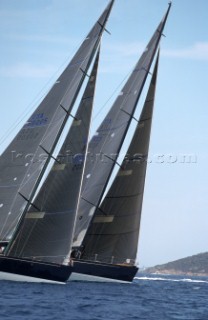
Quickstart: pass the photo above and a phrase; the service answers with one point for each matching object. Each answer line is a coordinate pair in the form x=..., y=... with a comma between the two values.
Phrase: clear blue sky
x=37, y=39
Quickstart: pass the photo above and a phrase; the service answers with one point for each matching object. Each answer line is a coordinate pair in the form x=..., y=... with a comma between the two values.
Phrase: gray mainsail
x=114, y=231
x=107, y=142
x=46, y=234
x=23, y=163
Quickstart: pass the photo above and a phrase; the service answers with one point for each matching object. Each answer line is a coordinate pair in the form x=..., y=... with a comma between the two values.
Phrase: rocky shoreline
x=196, y=266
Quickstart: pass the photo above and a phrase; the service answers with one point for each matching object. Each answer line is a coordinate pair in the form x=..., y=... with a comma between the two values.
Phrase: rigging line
x=94, y=72
x=18, y=122
x=65, y=145
x=56, y=139
x=103, y=27
x=13, y=202
x=38, y=181
x=38, y=169
x=115, y=119
x=49, y=154
x=98, y=208
x=84, y=72
x=18, y=240
x=51, y=127
x=5, y=222
x=27, y=179
x=115, y=161
x=130, y=115
x=29, y=202
x=138, y=95
x=68, y=112
x=111, y=96
x=27, y=238
x=47, y=134
x=67, y=89
x=25, y=113
x=134, y=82
x=37, y=98
x=116, y=89
x=140, y=120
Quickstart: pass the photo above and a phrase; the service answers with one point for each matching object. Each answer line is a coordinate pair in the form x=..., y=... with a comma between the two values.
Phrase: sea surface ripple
x=147, y=298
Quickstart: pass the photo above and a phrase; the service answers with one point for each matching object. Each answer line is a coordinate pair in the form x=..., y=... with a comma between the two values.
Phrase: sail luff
x=111, y=134
x=102, y=23
x=18, y=175
x=114, y=231
x=94, y=74
x=45, y=233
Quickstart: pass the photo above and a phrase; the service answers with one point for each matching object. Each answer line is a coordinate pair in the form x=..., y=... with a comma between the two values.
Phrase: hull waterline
x=15, y=269
x=101, y=272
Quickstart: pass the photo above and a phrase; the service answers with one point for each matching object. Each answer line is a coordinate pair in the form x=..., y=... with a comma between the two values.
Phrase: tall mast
x=114, y=231
x=45, y=232
x=109, y=137
x=23, y=163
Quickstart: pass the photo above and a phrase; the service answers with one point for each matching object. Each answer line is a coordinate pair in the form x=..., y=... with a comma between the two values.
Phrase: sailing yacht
x=20, y=179
x=59, y=228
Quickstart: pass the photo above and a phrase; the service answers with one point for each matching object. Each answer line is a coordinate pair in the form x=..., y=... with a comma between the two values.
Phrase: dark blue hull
x=105, y=271
x=34, y=271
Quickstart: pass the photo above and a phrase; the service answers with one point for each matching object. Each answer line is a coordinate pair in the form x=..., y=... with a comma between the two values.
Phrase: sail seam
x=113, y=234
x=128, y=196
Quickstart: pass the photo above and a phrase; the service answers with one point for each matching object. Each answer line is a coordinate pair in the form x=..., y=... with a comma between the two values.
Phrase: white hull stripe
x=85, y=277
x=17, y=277
x=73, y=277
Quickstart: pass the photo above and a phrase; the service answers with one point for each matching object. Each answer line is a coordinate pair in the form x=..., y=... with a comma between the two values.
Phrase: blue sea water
x=147, y=298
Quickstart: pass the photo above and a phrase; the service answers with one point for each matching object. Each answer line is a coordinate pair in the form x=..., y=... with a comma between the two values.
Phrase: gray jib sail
x=107, y=142
x=46, y=234
x=22, y=162
x=114, y=231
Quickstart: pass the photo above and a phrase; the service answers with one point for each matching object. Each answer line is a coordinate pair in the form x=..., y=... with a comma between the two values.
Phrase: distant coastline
x=196, y=265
